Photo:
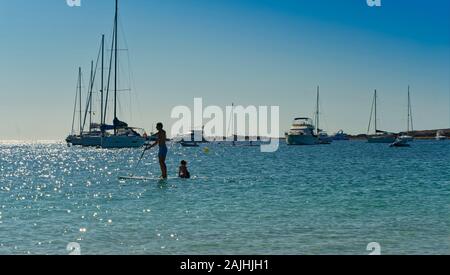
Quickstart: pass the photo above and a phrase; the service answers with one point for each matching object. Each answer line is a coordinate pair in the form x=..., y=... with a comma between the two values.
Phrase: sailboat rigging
x=119, y=134
x=379, y=136
x=407, y=137
x=323, y=136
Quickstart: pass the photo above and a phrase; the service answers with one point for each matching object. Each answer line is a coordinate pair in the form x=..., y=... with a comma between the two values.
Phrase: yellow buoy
x=206, y=150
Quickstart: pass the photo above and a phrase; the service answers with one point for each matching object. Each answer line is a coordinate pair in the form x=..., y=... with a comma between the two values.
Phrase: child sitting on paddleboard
x=183, y=172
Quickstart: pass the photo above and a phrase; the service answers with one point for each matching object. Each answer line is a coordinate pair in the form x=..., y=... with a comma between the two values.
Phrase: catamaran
x=122, y=136
x=119, y=134
x=379, y=136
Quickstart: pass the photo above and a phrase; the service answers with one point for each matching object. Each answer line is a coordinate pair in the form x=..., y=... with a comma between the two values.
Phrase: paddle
x=136, y=167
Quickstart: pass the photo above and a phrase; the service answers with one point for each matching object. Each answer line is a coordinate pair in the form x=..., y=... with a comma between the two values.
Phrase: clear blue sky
x=259, y=52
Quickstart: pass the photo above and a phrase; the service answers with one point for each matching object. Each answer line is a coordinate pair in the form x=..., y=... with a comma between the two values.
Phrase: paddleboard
x=143, y=178
x=133, y=178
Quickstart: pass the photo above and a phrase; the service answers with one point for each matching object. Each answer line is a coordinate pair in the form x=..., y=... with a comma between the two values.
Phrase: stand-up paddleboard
x=131, y=177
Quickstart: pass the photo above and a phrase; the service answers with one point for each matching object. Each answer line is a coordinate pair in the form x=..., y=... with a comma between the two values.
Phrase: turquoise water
x=301, y=200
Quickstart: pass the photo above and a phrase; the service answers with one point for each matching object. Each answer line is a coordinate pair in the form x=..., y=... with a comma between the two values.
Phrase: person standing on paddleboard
x=161, y=142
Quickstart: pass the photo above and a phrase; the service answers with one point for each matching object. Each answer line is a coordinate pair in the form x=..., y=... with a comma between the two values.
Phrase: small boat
x=379, y=136
x=192, y=139
x=233, y=139
x=324, y=138
x=193, y=136
x=189, y=144
x=440, y=135
x=400, y=142
x=302, y=132
x=340, y=135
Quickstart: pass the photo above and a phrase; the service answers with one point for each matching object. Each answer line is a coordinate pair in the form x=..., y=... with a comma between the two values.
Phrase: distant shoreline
x=420, y=135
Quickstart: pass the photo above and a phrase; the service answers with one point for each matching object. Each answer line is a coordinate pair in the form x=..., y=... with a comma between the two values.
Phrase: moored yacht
x=123, y=137
x=322, y=135
x=379, y=136
x=92, y=136
x=119, y=134
x=407, y=137
x=302, y=132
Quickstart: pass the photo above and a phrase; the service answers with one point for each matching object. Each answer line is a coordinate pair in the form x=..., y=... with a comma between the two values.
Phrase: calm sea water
x=301, y=200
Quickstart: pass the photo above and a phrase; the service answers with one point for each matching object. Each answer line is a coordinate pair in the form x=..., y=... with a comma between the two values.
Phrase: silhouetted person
x=161, y=141
x=183, y=171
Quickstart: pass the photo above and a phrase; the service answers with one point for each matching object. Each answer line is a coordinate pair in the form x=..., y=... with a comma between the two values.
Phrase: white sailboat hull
x=122, y=142
x=91, y=141
x=85, y=140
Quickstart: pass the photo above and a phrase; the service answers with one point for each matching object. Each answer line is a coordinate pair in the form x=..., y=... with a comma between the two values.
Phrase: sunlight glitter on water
x=239, y=200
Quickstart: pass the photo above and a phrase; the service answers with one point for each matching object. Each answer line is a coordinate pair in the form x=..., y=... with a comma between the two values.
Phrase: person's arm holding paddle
x=148, y=147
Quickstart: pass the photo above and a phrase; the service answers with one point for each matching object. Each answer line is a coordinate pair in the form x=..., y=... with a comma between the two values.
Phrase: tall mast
x=376, y=127
x=115, y=61
x=101, y=89
x=409, y=112
x=317, y=112
x=105, y=108
x=90, y=95
x=410, y=116
x=79, y=93
x=233, y=125
x=75, y=108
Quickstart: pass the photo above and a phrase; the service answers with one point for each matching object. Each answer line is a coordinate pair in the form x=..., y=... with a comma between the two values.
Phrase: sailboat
x=233, y=139
x=100, y=134
x=379, y=136
x=410, y=126
x=74, y=138
x=323, y=136
x=193, y=138
x=119, y=134
x=92, y=136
